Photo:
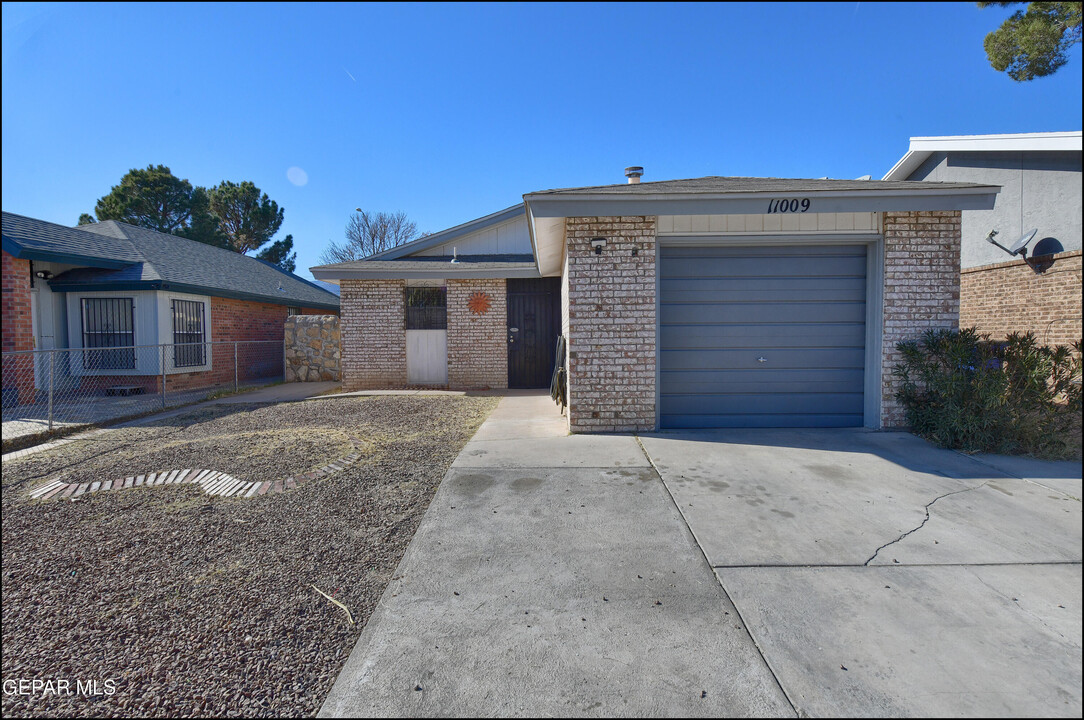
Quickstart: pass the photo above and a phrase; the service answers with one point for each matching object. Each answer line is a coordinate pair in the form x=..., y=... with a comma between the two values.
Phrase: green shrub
x=962, y=391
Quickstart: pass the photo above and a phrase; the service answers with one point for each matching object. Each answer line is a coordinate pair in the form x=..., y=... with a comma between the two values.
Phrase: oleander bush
x=961, y=390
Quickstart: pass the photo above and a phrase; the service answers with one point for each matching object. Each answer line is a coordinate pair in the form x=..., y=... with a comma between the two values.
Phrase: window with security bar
x=426, y=308
x=108, y=324
x=188, y=334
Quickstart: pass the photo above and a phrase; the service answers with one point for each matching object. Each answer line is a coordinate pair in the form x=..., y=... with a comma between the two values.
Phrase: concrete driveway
x=882, y=576
x=727, y=573
x=552, y=575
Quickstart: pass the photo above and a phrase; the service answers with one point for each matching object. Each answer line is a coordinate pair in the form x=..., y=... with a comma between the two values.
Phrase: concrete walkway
x=553, y=575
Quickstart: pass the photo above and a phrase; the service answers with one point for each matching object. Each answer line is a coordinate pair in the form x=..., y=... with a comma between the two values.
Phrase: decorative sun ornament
x=479, y=303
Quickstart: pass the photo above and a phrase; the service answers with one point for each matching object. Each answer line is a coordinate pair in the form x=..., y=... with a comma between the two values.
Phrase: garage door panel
x=699, y=267
x=747, y=312
x=754, y=381
x=789, y=420
x=774, y=359
x=762, y=336
x=763, y=403
x=790, y=335
x=844, y=290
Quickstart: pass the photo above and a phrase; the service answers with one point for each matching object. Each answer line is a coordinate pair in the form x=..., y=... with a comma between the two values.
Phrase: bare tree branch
x=370, y=233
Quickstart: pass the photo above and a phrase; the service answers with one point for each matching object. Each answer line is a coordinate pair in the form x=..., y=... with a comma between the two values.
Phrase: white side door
x=427, y=357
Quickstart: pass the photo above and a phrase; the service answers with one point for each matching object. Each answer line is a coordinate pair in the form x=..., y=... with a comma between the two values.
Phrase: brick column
x=921, y=288
x=373, y=326
x=477, y=342
x=611, y=335
x=18, y=331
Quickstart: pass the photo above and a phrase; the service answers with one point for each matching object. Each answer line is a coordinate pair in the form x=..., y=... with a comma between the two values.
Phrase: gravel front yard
x=191, y=605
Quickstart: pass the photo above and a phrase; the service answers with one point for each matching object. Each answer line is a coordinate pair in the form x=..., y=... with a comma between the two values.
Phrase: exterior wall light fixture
x=597, y=244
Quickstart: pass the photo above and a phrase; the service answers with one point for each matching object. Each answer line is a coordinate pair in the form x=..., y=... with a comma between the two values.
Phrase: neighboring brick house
x=712, y=302
x=1040, y=173
x=121, y=286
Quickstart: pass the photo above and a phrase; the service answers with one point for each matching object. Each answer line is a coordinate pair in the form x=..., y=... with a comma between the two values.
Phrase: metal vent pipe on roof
x=633, y=174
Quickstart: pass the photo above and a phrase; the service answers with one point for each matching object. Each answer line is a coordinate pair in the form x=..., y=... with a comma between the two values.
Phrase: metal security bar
x=188, y=333
x=109, y=323
x=49, y=390
x=426, y=308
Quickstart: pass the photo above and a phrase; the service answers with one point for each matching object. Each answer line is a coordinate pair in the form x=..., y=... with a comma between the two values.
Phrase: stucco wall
x=1038, y=190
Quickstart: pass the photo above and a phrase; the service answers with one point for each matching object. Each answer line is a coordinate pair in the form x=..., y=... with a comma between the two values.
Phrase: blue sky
x=452, y=112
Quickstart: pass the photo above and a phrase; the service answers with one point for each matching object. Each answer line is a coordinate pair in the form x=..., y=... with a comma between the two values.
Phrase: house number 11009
x=784, y=206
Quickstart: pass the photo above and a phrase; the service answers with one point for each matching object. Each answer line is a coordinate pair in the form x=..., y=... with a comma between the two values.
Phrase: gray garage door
x=762, y=337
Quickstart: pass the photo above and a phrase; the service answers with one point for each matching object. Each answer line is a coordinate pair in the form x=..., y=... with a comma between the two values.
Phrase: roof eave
x=161, y=285
x=16, y=250
x=907, y=165
x=443, y=272
x=979, y=197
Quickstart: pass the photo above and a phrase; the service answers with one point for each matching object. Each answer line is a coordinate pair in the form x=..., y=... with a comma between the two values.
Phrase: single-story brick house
x=711, y=302
x=1040, y=176
x=117, y=285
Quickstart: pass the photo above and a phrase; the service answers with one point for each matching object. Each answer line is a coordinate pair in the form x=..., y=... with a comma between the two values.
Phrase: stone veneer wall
x=312, y=347
x=477, y=344
x=1011, y=297
x=921, y=288
x=373, y=334
x=611, y=337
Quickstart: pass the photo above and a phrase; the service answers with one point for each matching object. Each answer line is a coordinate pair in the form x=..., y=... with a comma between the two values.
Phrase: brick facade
x=921, y=288
x=611, y=336
x=373, y=320
x=18, y=331
x=477, y=343
x=1011, y=297
x=232, y=321
x=257, y=326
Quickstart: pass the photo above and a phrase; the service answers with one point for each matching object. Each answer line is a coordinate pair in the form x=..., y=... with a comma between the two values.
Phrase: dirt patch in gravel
x=192, y=605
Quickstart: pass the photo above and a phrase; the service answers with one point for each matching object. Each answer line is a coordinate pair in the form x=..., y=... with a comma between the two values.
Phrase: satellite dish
x=1021, y=245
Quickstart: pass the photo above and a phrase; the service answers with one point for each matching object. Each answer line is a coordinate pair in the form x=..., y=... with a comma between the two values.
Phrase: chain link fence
x=50, y=390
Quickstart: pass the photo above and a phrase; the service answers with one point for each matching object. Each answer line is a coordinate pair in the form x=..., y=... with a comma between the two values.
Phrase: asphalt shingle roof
x=167, y=261
x=37, y=237
x=717, y=184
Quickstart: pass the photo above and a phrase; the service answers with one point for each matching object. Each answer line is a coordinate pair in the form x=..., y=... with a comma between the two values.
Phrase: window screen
x=188, y=347
x=426, y=308
x=109, y=323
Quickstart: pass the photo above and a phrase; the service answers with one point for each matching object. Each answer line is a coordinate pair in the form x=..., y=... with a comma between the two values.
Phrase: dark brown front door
x=534, y=321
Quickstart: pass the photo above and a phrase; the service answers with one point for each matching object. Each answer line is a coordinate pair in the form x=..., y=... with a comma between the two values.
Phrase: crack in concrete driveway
x=924, y=520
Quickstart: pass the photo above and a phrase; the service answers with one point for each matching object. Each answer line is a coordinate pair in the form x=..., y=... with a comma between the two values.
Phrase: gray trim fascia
x=607, y=205
x=443, y=272
x=809, y=237
x=439, y=238
x=159, y=285
x=531, y=234
x=14, y=249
